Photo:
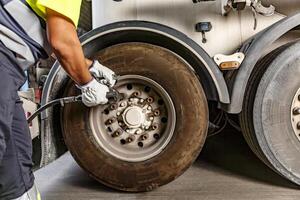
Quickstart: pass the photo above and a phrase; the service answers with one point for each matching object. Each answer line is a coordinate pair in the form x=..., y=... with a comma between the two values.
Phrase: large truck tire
x=153, y=135
x=270, y=118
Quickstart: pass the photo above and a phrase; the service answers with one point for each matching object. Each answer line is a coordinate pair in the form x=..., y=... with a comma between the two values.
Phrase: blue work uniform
x=23, y=42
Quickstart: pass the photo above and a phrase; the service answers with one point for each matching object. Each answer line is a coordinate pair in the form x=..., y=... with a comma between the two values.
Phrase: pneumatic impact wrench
x=113, y=96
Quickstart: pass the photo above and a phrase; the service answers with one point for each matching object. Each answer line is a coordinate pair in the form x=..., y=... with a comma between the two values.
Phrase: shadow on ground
x=230, y=152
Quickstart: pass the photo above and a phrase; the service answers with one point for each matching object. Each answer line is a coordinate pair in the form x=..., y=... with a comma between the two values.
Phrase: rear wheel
x=270, y=118
x=150, y=137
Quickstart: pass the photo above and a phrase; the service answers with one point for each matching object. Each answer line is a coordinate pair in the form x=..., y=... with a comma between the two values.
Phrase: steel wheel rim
x=129, y=130
x=295, y=114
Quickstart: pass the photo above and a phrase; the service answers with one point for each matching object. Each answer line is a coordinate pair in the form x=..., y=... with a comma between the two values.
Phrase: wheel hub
x=140, y=125
x=134, y=117
x=295, y=114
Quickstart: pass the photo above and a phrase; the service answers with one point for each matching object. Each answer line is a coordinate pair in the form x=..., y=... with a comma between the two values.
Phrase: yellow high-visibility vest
x=68, y=8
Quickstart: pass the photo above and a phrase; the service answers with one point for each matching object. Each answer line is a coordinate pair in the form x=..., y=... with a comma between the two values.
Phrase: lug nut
x=142, y=101
x=149, y=108
x=150, y=99
x=110, y=121
x=118, y=113
x=298, y=126
x=117, y=133
x=156, y=113
x=130, y=139
x=154, y=127
x=113, y=106
x=151, y=118
x=136, y=94
x=296, y=111
x=144, y=137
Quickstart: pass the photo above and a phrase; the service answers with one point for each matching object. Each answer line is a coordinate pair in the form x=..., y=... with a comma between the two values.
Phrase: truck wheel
x=271, y=115
x=154, y=134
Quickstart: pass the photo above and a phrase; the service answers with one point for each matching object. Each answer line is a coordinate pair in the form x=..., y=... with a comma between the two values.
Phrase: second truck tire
x=120, y=151
x=270, y=119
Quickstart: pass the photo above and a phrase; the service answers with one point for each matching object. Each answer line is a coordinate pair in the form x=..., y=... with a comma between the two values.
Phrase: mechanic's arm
x=64, y=41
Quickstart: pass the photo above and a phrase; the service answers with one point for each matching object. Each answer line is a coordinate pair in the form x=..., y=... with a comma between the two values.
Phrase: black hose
x=61, y=101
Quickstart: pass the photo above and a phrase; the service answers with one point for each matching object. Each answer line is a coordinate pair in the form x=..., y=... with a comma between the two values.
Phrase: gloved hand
x=94, y=93
x=100, y=71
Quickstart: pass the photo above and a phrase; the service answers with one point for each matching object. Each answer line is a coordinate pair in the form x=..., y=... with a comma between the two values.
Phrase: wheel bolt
x=154, y=127
x=142, y=101
x=118, y=113
x=149, y=108
x=136, y=94
x=151, y=118
x=122, y=104
x=130, y=139
x=298, y=126
x=110, y=121
x=113, y=107
x=150, y=99
x=296, y=111
x=144, y=137
x=117, y=133
x=156, y=113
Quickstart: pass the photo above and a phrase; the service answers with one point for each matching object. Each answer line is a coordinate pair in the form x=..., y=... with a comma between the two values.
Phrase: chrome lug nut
x=296, y=111
x=118, y=113
x=142, y=100
x=123, y=104
x=151, y=118
x=149, y=108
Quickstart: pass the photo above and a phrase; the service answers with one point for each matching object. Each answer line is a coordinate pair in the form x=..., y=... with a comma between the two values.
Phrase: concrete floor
x=225, y=170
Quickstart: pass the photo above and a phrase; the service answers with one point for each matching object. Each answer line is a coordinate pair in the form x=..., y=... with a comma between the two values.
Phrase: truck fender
x=253, y=52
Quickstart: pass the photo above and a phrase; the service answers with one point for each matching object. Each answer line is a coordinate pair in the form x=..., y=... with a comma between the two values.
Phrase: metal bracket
x=229, y=62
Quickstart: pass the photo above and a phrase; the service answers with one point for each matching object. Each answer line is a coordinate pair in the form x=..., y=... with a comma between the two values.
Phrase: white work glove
x=101, y=72
x=94, y=93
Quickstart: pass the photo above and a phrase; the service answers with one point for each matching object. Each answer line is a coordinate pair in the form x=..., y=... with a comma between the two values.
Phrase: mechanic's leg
x=32, y=194
x=16, y=177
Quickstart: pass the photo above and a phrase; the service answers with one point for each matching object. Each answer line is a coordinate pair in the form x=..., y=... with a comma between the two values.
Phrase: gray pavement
x=225, y=170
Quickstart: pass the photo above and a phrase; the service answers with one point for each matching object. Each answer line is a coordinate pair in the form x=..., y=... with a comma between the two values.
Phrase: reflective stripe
x=25, y=17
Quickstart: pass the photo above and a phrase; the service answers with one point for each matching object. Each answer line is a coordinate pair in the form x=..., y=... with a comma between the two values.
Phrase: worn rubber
x=265, y=119
x=183, y=86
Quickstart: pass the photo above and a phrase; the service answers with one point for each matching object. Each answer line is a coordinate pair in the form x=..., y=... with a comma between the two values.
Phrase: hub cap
x=295, y=114
x=138, y=127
